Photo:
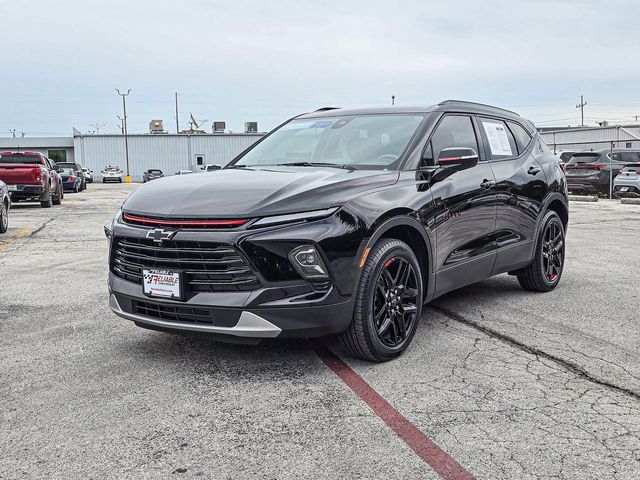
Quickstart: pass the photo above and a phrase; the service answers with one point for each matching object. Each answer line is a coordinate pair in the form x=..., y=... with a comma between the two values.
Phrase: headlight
x=294, y=217
x=308, y=262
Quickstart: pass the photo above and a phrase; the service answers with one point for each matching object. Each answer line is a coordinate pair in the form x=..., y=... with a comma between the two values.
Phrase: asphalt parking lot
x=510, y=384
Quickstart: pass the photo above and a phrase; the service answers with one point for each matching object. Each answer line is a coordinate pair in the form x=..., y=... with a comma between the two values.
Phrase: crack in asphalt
x=568, y=365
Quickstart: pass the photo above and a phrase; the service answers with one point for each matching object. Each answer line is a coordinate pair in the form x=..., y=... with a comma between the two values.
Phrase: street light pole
x=126, y=139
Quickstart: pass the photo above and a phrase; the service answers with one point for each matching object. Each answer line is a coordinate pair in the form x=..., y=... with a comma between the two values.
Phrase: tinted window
x=498, y=138
x=589, y=157
x=523, y=138
x=19, y=158
x=628, y=157
x=453, y=131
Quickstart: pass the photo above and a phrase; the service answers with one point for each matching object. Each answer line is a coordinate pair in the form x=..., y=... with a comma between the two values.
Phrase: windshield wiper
x=315, y=164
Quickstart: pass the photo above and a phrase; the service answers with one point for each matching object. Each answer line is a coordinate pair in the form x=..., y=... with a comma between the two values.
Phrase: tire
x=57, y=199
x=4, y=217
x=48, y=202
x=363, y=338
x=104, y=181
x=544, y=272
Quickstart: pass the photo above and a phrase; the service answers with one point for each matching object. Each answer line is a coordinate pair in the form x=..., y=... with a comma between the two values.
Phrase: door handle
x=487, y=183
x=533, y=170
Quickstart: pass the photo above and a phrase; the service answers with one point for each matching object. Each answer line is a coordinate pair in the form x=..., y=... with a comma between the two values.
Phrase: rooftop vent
x=156, y=126
x=219, y=127
x=250, y=127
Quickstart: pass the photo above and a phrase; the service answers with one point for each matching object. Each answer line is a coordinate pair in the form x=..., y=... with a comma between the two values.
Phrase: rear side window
x=626, y=157
x=523, y=139
x=498, y=138
x=452, y=131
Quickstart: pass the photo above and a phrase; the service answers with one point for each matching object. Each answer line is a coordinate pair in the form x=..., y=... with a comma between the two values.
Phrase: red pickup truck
x=31, y=176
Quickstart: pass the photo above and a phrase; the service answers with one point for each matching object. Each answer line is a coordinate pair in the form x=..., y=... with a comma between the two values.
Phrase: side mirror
x=459, y=158
x=56, y=168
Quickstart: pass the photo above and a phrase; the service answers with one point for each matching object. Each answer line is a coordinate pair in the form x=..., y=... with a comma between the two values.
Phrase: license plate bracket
x=167, y=284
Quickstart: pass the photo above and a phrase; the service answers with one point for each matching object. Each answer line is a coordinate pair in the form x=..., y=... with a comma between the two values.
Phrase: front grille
x=180, y=313
x=206, y=266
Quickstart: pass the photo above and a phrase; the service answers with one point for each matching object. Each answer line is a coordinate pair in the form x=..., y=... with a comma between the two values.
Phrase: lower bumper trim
x=249, y=325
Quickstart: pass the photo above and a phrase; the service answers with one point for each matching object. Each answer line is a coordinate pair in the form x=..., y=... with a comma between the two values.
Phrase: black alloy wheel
x=552, y=251
x=388, y=303
x=395, y=301
x=544, y=272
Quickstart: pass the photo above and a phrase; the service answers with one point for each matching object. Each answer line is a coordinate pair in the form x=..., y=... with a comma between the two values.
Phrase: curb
x=631, y=201
x=583, y=198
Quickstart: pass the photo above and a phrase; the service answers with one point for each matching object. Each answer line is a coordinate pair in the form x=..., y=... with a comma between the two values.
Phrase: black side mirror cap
x=458, y=157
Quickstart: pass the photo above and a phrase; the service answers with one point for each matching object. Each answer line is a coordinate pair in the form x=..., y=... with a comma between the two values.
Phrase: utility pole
x=581, y=106
x=12, y=131
x=126, y=140
x=177, y=121
x=393, y=100
x=97, y=125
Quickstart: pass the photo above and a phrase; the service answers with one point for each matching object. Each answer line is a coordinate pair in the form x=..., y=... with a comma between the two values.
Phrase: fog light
x=308, y=262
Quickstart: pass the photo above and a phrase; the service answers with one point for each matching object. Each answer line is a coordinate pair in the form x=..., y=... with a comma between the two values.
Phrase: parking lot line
x=443, y=463
x=20, y=233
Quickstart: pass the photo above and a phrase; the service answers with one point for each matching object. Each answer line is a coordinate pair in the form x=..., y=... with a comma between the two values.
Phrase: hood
x=246, y=193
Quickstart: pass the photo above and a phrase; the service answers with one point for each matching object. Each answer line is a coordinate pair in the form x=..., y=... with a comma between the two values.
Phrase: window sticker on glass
x=498, y=139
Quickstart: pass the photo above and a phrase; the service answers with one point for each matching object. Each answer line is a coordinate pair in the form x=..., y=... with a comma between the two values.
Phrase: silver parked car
x=5, y=205
x=88, y=174
x=627, y=182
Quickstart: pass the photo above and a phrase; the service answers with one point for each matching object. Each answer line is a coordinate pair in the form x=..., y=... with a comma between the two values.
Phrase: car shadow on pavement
x=25, y=206
x=204, y=353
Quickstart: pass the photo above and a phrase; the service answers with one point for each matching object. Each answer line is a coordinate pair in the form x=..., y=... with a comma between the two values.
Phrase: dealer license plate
x=12, y=188
x=162, y=283
x=624, y=189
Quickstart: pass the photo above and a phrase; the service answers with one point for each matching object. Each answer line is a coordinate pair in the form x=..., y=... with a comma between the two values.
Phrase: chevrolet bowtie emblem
x=159, y=235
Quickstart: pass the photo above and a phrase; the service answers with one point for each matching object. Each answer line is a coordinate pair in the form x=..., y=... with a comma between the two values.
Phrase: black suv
x=343, y=221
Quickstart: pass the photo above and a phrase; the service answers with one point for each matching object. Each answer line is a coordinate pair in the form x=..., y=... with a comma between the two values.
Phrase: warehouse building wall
x=570, y=139
x=169, y=153
x=48, y=146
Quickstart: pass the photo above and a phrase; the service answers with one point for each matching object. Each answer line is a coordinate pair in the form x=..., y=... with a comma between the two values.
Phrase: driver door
x=464, y=218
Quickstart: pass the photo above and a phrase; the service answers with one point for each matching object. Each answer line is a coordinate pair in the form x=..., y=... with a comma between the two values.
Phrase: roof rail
x=324, y=109
x=445, y=102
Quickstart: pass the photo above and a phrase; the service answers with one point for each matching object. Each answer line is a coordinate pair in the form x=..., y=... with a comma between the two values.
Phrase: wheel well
x=558, y=207
x=412, y=237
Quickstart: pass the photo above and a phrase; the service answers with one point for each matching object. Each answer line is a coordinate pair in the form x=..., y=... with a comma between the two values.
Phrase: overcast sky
x=237, y=60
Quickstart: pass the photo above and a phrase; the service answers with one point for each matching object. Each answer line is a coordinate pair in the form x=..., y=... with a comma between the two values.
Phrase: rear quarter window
x=523, y=139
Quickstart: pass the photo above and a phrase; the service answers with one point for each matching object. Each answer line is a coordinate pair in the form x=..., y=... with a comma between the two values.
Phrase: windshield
x=367, y=141
x=67, y=171
x=155, y=171
x=18, y=158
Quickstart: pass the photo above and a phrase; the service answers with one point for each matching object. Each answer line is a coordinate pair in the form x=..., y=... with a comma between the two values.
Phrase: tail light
x=38, y=175
x=71, y=177
x=596, y=166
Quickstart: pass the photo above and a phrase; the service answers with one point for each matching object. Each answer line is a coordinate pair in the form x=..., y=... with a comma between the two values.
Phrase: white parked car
x=88, y=174
x=212, y=167
x=111, y=174
x=627, y=182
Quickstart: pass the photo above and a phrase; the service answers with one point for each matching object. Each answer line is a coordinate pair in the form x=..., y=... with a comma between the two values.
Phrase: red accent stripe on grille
x=185, y=223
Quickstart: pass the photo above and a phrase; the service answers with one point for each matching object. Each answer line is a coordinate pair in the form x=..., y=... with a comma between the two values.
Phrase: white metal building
x=569, y=139
x=56, y=148
x=169, y=152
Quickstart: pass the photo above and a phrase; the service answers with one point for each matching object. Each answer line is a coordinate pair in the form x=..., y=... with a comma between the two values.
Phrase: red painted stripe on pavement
x=443, y=463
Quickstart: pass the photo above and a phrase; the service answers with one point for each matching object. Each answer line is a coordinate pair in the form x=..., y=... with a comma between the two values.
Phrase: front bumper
x=275, y=307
